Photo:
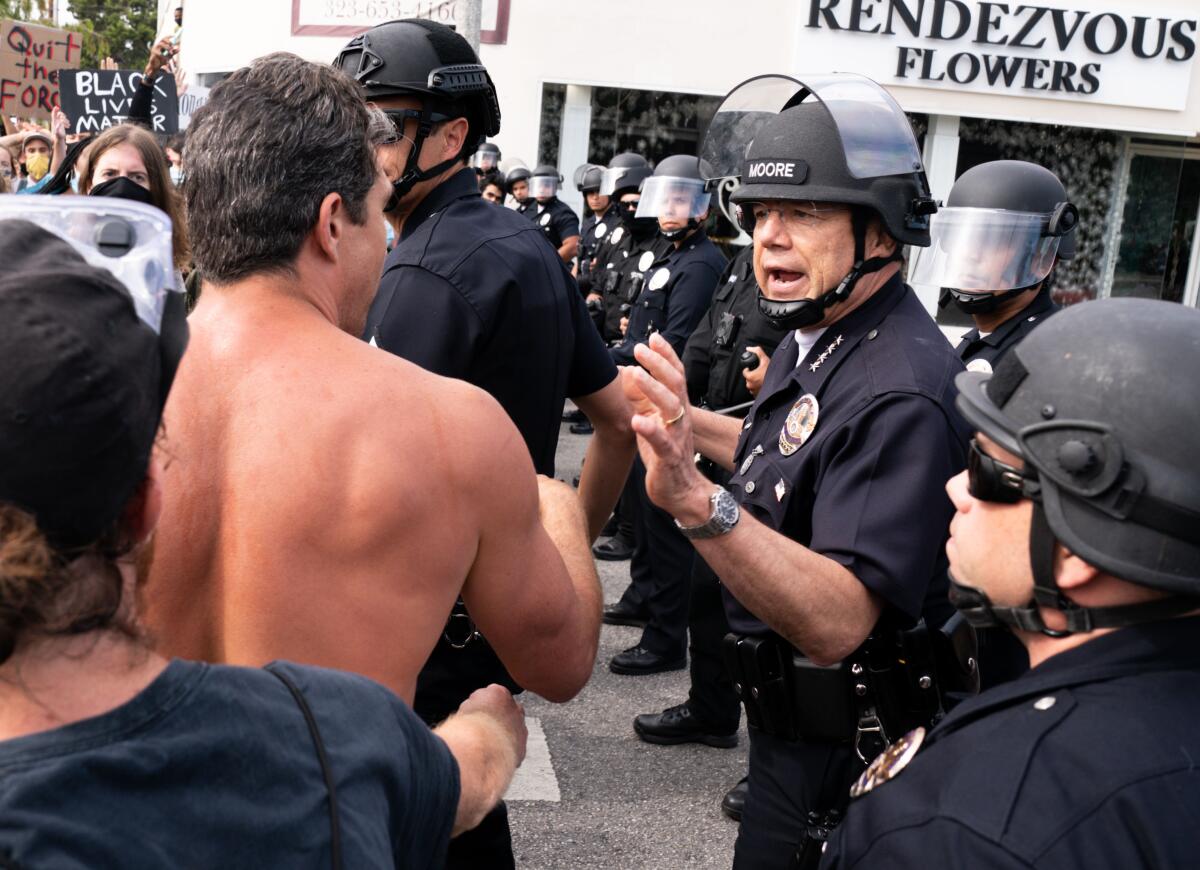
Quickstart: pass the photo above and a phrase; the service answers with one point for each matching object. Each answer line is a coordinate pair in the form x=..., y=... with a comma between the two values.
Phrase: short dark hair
x=272, y=141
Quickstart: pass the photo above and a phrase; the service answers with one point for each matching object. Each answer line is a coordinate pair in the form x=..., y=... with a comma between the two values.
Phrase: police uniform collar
x=461, y=185
x=1168, y=644
x=839, y=341
x=1041, y=304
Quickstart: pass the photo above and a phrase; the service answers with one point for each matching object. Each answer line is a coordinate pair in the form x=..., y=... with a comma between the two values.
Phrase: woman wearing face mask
x=126, y=162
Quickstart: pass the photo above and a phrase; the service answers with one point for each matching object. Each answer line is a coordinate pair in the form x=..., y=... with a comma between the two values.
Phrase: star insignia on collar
x=833, y=345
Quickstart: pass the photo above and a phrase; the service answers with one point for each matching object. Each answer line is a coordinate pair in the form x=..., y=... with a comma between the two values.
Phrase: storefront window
x=553, y=99
x=1162, y=200
x=655, y=124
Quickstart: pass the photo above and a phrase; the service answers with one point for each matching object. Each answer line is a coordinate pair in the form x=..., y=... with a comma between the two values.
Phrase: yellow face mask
x=37, y=165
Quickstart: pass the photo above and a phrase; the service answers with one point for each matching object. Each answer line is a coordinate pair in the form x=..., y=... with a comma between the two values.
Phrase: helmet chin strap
x=681, y=233
x=979, y=611
x=980, y=303
x=412, y=175
x=802, y=313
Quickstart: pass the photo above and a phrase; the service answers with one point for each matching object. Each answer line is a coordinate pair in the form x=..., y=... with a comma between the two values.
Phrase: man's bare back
x=327, y=502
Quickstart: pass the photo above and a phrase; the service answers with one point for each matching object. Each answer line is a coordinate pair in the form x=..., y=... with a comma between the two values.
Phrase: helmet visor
x=543, y=186
x=984, y=250
x=670, y=198
x=876, y=135
x=128, y=239
x=612, y=179
x=485, y=161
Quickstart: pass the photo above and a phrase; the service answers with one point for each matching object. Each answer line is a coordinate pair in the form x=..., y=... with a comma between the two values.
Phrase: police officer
x=516, y=184
x=1005, y=225
x=553, y=216
x=599, y=218
x=1078, y=529
x=622, y=259
x=829, y=538
x=673, y=299
x=520, y=332
x=715, y=360
x=486, y=158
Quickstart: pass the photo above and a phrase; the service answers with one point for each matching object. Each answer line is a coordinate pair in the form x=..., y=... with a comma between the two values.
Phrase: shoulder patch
x=889, y=763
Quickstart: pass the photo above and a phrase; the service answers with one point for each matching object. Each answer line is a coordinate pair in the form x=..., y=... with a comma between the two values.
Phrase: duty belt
x=897, y=680
x=460, y=630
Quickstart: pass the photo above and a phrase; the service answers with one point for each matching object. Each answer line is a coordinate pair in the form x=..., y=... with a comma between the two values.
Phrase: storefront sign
x=95, y=99
x=352, y=17
x=30, y=59
x=189, y=103
x=1097, y=51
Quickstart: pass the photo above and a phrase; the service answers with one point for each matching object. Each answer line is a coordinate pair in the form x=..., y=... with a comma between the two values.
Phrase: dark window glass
x=553, y=99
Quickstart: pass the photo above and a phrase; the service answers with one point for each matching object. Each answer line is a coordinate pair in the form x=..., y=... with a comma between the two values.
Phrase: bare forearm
x=569, y=249
x=716, y=436
x=486, y=763
x=567, y=528
x=609, y=457
x=809, y=599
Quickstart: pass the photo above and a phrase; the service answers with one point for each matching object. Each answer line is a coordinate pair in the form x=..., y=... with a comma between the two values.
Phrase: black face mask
x=122, y=188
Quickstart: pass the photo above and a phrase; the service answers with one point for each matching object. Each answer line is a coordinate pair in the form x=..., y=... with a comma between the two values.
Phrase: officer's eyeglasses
x=400, y=117
x=797, y=215
x=629, y=204
x=989, y=479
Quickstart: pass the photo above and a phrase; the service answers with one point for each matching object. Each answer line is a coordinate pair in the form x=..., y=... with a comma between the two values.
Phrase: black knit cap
x=81, y=388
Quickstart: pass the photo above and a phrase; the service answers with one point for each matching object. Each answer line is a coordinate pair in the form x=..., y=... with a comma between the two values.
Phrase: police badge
x=800, y=423
x=889, y=762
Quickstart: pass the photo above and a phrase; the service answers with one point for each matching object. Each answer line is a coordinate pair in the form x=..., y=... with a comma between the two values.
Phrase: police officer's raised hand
x=754, y=377
x=664, y=432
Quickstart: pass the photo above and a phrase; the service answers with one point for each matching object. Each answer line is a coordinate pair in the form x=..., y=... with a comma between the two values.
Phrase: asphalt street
x=592, y=795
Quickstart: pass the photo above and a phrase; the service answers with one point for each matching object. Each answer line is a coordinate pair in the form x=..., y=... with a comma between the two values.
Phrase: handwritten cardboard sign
x=97, y=99
x=31, y=58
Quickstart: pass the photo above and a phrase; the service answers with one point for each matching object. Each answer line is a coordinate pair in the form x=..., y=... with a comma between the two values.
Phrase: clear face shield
x=984, y=251
x=876, y=135
x=672, y=201
x=611, y=179
x=485, y=160
x=543, y=186
x=129, y=239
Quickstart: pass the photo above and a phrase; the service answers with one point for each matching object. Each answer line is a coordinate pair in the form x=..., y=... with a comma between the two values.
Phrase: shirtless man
x=327, y=501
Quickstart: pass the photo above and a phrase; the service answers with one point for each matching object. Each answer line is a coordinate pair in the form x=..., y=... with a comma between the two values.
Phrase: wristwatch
x=722, y=518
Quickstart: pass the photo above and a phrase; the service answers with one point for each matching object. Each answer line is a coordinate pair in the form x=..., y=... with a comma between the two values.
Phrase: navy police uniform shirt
x=1087, y=761
x=712, y=356
x=596, y=227
x=992, y=347
x=676, y=292
x=472, y=292
x=848, y=452
x=556, y=220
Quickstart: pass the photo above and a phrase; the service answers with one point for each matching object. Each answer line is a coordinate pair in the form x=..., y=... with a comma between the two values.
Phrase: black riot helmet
x=625, y=172
x=837, y=138
x=587, y=178
x=486, y=158
x=544, y=182
x=418, y=58
x=676, y=189
x=999, y=234
x=517, y=173
x=1109, y=454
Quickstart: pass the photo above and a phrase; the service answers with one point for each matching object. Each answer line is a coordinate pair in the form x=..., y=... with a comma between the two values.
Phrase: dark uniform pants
x=660, y=573
x=787, y=780
x=487, y=846
x=711, y=697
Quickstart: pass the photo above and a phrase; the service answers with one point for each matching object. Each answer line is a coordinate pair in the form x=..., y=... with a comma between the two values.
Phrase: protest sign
x=189, y=102
x=96, y=99
x=31, y=58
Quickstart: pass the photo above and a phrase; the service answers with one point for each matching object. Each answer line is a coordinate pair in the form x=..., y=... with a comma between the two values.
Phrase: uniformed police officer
x=1005, y=225
x=553, y=216
x=486, y=158
x=715, y=362
x=599, y=218
x=516, y=183
x=673, y=299
x=622, y=258
x=473, y=292
x=829, y=539
x=1077, y=528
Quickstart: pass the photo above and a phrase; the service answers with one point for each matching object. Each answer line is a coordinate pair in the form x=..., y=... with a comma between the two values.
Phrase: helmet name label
x=788, y=171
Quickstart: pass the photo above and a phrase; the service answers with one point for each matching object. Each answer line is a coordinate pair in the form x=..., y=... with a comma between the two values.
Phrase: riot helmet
x=519, y=172
x=675, y=193
x=837, y=138
x=625, y=172
x=587, y=178
x=486, y=158
x=544, y=182
x=999, y=234
x=423, y=59
x=1109, y=456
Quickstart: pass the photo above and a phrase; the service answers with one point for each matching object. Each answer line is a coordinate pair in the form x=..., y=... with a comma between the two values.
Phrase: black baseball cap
x=83, y=382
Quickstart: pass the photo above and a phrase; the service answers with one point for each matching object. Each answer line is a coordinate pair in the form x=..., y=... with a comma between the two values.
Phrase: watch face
x=726, y=510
